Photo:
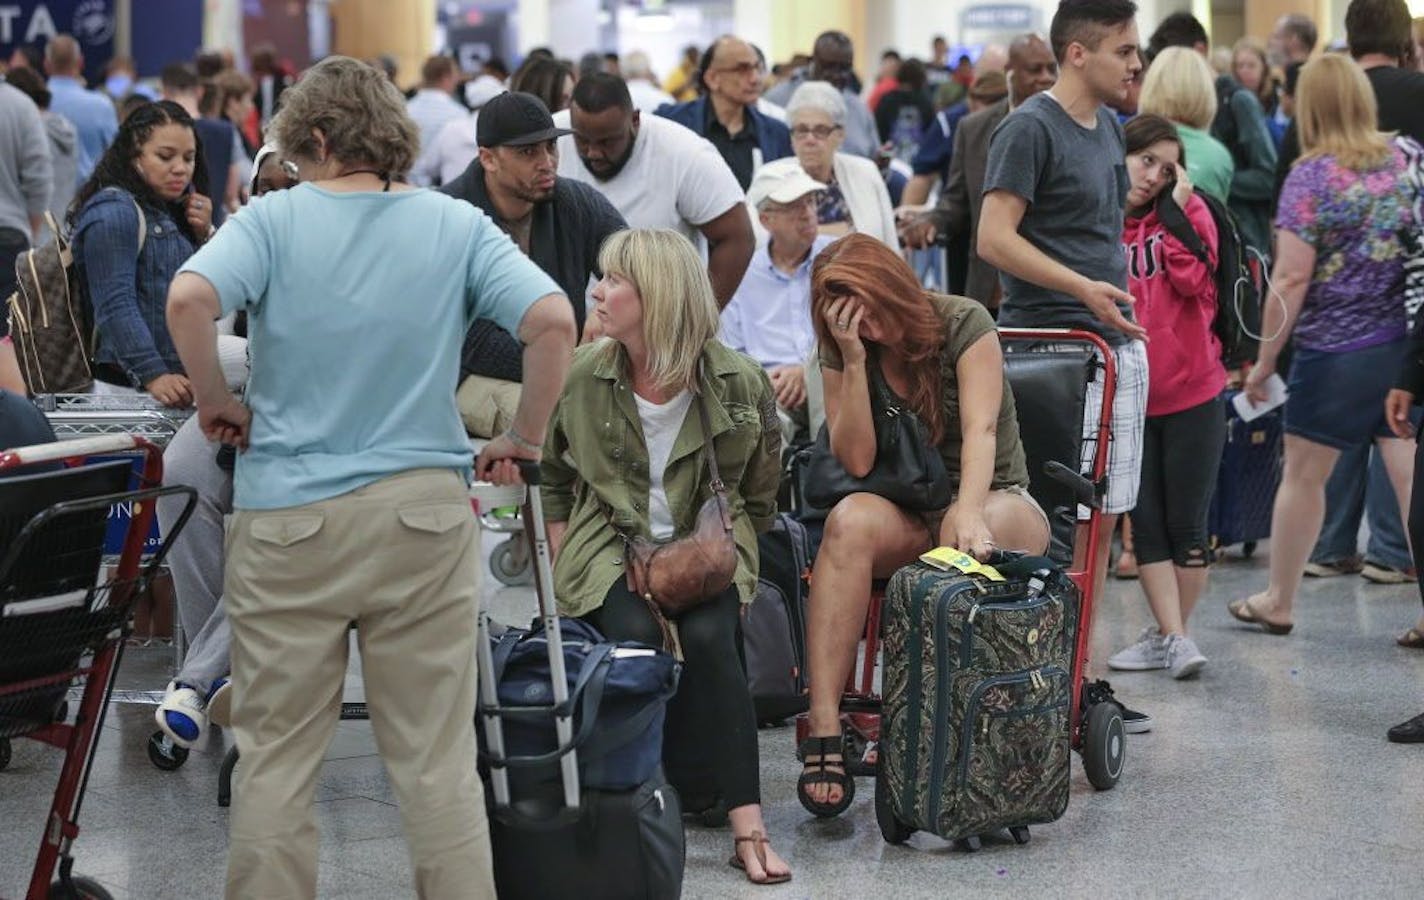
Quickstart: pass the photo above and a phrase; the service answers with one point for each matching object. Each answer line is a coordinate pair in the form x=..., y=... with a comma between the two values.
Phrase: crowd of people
x=634, y=280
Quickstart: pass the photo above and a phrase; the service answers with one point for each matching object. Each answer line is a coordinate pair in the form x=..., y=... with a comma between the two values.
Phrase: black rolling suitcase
x=560, y=746
x=1251, y=466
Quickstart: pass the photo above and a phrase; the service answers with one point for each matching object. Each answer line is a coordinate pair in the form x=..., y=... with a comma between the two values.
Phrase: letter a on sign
x=41, y=25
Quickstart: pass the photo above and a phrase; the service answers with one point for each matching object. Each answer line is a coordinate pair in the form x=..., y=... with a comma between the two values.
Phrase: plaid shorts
x=1129, y=415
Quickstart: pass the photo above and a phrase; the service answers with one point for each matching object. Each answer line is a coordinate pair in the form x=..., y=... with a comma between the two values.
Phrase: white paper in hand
x=1275, y=396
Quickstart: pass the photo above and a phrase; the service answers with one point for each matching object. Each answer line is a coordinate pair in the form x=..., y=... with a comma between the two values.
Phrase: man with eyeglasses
x=769, y=318
x=833, y=61
x=726, y=114
x=657, y=174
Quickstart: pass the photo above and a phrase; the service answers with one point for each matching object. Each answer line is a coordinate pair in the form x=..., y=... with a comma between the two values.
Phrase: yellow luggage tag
x=948, y=559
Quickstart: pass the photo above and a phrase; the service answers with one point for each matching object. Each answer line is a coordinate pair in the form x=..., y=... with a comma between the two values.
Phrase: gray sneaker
x=1150, y=652
x=1183, y=657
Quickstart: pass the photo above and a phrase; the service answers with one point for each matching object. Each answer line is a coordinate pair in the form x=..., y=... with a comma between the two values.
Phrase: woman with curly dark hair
x=135, y=221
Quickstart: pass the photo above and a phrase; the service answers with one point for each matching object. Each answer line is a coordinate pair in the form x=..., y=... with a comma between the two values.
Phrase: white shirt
x=769, y=317
x=661, y=424
x=432, y=109
x=674, y=179
x=450, y=154
x=648, y=96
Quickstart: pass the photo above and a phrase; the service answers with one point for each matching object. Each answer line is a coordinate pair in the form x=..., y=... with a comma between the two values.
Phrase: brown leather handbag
x=681, y=574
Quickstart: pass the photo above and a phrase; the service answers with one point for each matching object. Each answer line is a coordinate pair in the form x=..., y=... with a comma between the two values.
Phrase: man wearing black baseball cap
x=559, y=223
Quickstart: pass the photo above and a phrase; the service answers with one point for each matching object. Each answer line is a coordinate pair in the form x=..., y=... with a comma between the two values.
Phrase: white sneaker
x=1183, y=657
x=219, y=704
x=1150, y=652
x=182, y=715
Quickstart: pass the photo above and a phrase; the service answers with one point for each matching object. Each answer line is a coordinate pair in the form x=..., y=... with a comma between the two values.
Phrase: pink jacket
x=1176, y=303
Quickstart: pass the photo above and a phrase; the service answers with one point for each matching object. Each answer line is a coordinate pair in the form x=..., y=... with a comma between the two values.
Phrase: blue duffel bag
x=618, y=694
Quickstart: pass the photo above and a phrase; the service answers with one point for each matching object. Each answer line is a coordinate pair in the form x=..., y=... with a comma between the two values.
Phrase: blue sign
x=999, y=17
x=33, y=22
x=121, y=515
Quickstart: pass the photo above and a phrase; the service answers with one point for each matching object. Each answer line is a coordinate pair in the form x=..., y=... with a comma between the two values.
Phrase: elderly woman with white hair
x=855, y=198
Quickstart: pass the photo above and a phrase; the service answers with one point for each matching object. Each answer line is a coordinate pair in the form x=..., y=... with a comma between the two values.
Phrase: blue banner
x=34, y=22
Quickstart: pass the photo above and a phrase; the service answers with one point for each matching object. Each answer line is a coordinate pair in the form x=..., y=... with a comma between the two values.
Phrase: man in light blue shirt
x=91, y=113
x=769, y=317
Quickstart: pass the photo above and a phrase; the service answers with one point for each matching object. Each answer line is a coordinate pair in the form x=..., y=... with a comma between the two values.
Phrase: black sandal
x=827, y=752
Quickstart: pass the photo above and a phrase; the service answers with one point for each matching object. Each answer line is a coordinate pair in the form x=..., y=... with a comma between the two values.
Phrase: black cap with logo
x=514, y=119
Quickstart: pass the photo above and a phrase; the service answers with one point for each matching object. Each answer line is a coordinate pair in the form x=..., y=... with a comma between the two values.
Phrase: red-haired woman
x=940, y=355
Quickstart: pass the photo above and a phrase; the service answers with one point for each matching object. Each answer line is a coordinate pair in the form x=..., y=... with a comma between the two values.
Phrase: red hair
x=861, y=265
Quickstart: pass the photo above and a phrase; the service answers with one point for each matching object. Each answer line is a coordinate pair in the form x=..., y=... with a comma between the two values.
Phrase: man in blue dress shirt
x=91, y=113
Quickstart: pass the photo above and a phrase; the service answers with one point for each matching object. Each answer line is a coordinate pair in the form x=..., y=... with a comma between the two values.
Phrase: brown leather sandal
x=1243, y=611
x=758, y=842
x=1413, y=639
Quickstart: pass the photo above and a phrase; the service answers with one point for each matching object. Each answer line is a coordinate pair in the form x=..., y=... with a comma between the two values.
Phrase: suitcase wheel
x=1020, y=834
x=1248, y=549
x=510, y=562
x=165, y=754
x=4, y=752
x=891, y=828
x=1104, y=745
x=84, y=889
x=971, y=844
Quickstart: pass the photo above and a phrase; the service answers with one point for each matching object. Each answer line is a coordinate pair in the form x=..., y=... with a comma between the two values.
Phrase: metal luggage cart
x=139, y=416
x=63, y=622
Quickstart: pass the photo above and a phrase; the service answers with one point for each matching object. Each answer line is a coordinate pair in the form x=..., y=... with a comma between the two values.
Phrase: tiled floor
x=1268, y=776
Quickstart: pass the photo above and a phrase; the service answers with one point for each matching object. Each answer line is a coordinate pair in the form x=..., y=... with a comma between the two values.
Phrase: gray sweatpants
x=196, y=557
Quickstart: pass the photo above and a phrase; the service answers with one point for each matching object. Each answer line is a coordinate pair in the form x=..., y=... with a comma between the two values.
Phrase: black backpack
x=1238, y=300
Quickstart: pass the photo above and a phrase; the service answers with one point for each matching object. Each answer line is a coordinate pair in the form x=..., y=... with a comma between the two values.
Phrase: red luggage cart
x=61, y=625
x=1095, y=723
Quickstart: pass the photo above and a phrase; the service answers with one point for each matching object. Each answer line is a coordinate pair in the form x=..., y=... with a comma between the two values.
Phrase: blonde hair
x=1336, y=112
x=356, y=107
x=679, y=310
x=1179, y=86
x=1266, y=93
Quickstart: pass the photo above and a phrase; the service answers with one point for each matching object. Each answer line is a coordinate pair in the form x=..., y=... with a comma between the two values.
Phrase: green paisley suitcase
x=974, y=728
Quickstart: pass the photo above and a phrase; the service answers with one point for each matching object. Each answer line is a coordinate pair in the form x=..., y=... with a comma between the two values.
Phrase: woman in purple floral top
x=1338, y=287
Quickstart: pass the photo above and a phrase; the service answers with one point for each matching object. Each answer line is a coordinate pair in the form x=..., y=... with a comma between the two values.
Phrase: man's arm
x=1001, y=246
x=36, y=170
x=730, y=246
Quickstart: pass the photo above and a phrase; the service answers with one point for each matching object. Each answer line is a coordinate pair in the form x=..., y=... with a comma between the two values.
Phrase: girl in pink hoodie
x=1186, y=425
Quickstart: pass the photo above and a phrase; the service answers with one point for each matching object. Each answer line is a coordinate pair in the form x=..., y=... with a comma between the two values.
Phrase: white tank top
x=661, y=424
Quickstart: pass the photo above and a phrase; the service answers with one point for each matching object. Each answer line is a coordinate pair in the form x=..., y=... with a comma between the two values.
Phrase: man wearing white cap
x=769, y=317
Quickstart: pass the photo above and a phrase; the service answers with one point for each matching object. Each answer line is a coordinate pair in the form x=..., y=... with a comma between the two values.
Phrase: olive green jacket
x=596, y=465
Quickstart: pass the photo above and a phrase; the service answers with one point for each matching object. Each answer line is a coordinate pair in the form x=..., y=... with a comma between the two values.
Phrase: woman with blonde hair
x=1252, y=69
x=1179, y=88
x=1339, y=297
x=646, y=413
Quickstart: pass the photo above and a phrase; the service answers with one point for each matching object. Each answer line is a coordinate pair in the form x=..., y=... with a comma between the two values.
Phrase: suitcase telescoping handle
x=537, y=530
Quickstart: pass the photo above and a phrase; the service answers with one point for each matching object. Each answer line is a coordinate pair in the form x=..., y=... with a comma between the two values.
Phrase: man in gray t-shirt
x=1052, y=225
x=1074, y=183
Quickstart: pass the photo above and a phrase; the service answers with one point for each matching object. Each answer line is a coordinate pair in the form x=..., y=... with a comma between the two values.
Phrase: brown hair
x=226, y=85
x=861, y=265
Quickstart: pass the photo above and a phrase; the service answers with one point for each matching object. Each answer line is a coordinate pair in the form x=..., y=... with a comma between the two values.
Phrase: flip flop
x=1413, y=639
x=1242, y=611
x=758, y=842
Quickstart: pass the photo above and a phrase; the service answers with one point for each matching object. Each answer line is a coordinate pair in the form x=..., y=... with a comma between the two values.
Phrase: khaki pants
x=487, y=405
x=399, y=558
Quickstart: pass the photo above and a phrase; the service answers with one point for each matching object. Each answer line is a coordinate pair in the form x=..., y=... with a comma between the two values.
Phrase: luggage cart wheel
x=84, y=889
x=971, y=844
x=1104, y=745
x=891, y=828
x=510, y=565
x=1020, y=834
x=165, y=754
x=61, y=712
x=4, y=752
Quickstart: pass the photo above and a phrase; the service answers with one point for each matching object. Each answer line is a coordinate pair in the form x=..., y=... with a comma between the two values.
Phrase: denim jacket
x=596, y=466
x=128, y=289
